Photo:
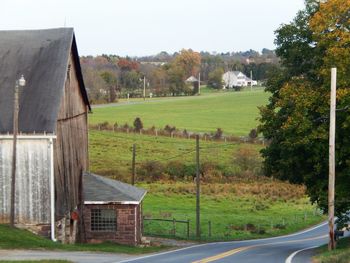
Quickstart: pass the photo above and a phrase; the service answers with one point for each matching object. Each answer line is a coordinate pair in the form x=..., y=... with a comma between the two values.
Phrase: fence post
x=174, y=227
x=209, y=225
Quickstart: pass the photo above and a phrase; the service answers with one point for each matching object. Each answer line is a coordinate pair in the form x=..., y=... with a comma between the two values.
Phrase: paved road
x=292, y=248
x=79, y=257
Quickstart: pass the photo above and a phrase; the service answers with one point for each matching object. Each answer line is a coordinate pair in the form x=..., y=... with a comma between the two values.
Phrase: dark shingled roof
x=101, y=189
x=42, y=57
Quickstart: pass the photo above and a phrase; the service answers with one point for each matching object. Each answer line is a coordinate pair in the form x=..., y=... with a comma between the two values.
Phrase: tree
x=138, y=125
x=189, y=61
x=215, y=78
x=296, y=120
x=111, y=82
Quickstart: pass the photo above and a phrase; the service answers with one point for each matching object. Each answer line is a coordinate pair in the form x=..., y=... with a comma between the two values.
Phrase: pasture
x=234, y=112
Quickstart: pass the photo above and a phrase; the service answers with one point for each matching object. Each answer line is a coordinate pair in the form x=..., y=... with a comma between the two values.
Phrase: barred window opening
x=103, y=220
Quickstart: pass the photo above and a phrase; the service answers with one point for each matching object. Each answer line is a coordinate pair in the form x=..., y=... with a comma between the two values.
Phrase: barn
x=52, y=144
x=52, y=197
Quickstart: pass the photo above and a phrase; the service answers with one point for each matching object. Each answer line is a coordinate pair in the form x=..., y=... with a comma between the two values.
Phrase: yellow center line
x=241, y=249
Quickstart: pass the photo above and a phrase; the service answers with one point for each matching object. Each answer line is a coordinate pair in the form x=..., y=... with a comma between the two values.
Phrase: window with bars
x=103, y=220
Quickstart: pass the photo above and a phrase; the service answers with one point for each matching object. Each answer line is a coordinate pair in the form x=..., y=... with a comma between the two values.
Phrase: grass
x=340, y=255
x=13, y=238
x=233, y=215
x=271, y=206
x=110, y=153
x=235, y=112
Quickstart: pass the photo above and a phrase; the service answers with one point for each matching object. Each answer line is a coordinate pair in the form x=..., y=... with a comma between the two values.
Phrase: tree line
x=109, y=77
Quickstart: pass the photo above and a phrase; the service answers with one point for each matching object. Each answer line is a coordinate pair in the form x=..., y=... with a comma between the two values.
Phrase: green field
x=110, y=153
x=239, y=203
x=270, y=206
x=235, y=112
x=232, y=216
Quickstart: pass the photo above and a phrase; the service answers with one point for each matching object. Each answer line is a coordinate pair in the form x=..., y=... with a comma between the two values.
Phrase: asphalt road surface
x=286, y=249
x=294, y=248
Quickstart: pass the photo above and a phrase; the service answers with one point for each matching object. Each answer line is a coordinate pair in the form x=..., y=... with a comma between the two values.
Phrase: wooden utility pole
x=14, y=155
x=198, y=190
x=133, y=164
x=144, y=87
x=251, y=80
x=199, y=83
x=331, y=180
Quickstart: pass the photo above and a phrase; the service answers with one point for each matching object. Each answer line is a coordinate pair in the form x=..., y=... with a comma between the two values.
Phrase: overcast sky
x=146, y=27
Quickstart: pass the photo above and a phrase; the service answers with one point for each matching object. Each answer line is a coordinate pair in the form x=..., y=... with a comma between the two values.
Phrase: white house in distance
x=237, y=79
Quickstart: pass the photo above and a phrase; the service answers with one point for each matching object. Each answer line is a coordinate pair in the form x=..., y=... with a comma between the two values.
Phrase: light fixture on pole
x=19, y=83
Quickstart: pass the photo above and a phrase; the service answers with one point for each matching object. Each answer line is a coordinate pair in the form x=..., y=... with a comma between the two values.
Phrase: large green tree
x=296, y=120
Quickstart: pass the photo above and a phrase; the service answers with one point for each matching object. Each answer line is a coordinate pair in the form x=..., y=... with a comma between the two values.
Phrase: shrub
x=253, y=134
x=218, y=134
x=169, y=129
x=138, y=125
x=175, y=169
x=210, y=172
x=185, y=133
x=151, y=171
x=247, y=159
x=104, y=125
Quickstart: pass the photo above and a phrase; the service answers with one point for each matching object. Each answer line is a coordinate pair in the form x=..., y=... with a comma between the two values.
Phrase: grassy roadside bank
x=340, y=255
x=13, y=238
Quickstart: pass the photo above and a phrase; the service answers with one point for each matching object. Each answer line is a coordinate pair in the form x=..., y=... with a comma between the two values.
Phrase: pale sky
x=147, y=27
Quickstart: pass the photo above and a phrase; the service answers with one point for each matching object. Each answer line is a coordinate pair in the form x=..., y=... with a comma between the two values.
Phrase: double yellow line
x=241, y=249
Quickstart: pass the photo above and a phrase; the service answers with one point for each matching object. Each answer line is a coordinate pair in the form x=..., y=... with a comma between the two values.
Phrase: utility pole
x=144, y=87
x=331, y=180
x=198, y=190
x=199, y=83
x=251, y=80
x=21, y=82
x=133, y=164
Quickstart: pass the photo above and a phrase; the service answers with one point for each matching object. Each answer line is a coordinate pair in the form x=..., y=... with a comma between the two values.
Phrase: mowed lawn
x=234, y=112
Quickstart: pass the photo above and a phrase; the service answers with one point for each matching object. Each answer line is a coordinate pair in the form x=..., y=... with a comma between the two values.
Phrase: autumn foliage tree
x=296, y=120
x=189, y=61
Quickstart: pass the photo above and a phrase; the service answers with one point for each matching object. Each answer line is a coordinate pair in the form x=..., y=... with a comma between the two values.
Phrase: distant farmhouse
x=52, y=146
x=237, y=79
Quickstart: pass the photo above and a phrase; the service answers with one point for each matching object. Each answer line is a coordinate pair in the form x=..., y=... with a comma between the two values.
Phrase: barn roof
x=100, y=190
x=42, y=57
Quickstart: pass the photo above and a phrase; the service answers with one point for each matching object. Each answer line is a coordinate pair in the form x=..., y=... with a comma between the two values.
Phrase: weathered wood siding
x=32, y=201
x=71, y=145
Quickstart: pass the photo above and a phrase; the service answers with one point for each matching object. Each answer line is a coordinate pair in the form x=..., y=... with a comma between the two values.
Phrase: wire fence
x=218, y=230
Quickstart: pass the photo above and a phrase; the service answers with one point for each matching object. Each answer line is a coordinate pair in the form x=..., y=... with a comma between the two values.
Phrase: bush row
x=172, y=131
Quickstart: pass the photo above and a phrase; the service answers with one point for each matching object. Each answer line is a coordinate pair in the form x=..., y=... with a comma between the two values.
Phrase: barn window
x=103, y=220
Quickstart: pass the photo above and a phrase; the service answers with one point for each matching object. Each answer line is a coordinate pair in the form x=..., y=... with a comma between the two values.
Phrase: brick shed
x=112, y=210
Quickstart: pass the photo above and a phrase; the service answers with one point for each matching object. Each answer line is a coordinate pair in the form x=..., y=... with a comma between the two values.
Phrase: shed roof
x=42, y=57
x=98, y=190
